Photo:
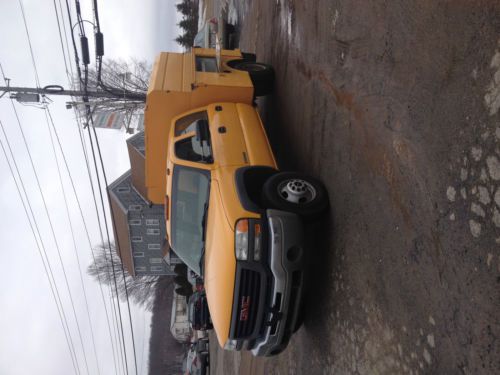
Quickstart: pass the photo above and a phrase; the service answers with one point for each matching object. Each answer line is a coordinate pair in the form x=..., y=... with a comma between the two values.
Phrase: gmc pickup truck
x=231, y=215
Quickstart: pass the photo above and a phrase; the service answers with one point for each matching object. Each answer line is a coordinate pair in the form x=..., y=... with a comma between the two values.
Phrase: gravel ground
x=395, y=106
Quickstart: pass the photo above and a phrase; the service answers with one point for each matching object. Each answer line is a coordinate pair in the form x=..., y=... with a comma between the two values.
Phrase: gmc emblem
x=245, y=308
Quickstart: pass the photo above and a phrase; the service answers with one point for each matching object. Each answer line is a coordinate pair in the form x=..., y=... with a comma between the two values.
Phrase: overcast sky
x=31, y=336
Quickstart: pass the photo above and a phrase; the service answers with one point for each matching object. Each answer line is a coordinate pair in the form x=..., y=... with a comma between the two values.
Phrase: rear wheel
x=262, y=75
x=297, y=193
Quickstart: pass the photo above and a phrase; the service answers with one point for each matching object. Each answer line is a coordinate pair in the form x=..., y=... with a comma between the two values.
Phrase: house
x=139, y=225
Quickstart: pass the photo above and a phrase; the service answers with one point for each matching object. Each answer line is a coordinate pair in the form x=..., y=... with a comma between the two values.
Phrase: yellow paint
x=244, y=133
x=176, y=87
x=238, y=139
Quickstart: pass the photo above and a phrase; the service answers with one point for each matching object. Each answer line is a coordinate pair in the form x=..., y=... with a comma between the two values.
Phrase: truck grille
x=248, y=303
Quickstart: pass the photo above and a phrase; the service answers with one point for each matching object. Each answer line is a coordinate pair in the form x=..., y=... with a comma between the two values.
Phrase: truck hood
x=220, y=265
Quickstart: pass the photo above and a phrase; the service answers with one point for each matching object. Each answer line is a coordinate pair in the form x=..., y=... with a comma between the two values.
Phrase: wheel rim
x=251, y=67
x=297, y=191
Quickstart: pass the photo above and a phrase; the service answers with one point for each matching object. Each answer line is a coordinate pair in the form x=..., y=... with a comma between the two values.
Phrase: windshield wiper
x=203, y=235
x=204, y=222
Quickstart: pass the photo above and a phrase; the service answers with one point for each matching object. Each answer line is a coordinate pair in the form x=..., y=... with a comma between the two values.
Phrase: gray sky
x=32, y=339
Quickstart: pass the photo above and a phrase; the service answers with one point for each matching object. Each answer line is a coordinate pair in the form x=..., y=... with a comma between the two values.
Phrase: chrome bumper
x=286, y=261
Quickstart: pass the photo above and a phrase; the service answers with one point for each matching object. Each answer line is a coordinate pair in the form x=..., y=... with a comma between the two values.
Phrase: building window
x=156, y=268
x=154, y=246
x=153, y=231
x=135, y=207
x=155, y=260
x=139, y=255
x=135, y=222
x=136, y=238
x=140, y=269
x=154, y=222
x=123, y=189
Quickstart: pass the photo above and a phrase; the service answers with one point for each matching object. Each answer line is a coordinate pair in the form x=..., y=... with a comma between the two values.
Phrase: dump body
x=178, y=85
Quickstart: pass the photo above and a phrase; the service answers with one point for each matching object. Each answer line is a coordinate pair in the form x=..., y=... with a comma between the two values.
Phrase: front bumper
x=286, y=263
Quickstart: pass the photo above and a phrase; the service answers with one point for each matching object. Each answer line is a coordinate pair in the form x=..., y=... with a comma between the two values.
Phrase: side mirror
x=202, y=133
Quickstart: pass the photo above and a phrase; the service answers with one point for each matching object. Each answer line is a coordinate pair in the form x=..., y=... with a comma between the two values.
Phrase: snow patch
x=492, y=96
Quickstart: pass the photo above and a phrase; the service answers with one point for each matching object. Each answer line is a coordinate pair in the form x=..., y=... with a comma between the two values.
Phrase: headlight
x=244, y=229
x=241, y=240
x=231, y=344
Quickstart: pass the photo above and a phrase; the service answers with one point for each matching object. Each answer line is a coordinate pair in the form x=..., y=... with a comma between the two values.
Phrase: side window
x=189, y=149
x=187, y=123
x=196, y=148
x=206, y=64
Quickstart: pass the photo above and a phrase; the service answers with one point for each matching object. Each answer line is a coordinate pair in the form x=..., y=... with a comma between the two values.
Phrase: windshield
x=190, y=193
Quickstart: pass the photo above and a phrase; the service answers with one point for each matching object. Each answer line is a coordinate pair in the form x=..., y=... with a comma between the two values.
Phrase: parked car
x=199, y=315
x=197, y=359
x=208, y=33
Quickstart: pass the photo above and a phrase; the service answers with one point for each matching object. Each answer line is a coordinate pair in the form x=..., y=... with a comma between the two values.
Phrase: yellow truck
x=230, y=215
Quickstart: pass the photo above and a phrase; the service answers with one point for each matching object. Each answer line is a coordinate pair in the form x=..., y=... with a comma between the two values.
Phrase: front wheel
x=294, y=192
x=262, y=75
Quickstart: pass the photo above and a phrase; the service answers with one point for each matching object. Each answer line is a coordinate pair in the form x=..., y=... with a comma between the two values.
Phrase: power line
x=37, y=79
x=73, y=237
x=85, y=99
x=83, y=218
x=107, y=234
x=52, y=230
x=47, y=267
x=38, y=231
x=65, y=58
x=109, y=246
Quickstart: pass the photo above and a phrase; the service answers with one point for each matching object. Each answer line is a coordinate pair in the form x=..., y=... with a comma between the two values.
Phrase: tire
x=262, y=75
x=294, y=192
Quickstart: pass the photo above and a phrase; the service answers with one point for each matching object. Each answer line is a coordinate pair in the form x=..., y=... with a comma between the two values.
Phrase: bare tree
x=126, y=82
x=141, y=289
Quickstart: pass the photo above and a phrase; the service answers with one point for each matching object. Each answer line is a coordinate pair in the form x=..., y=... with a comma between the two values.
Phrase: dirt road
x=395, y=106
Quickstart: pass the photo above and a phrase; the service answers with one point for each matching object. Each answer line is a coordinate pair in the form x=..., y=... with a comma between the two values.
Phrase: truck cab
x=230, y=215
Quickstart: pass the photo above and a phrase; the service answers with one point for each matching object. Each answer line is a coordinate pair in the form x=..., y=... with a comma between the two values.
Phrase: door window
x=196, y=148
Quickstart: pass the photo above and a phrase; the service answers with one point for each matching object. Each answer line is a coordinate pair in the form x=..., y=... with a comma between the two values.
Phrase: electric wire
x=69, y=74
x=68, y=170
x=80, y=80
x=37, y=78
x=116, y=327
x=77, y=63
x=109, y=245
x=33, y=60
x=65, y=58
x=75, y=49
x=40, y=247
x=56, y=242
x=71, y=84
x=38, y=230
x=107, y=234
x=85, y=99
x=70, y=222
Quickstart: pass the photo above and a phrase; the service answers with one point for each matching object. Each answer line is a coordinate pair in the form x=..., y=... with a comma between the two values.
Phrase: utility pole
x=59, y=90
